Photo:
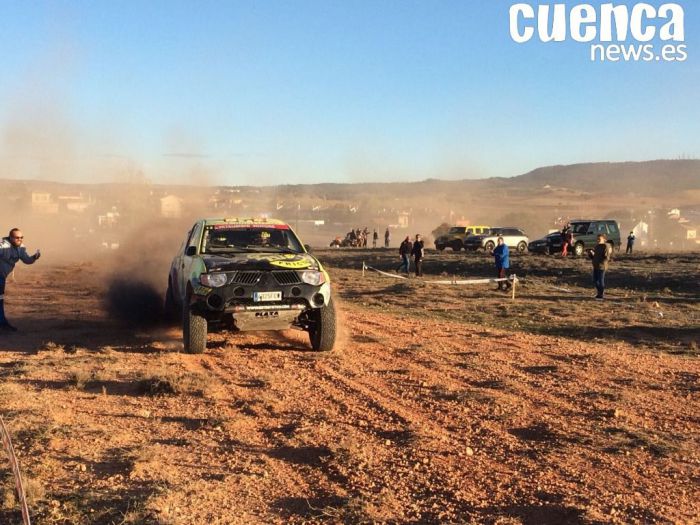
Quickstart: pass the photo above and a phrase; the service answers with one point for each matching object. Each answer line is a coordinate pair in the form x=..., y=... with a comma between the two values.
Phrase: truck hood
x=259, y=261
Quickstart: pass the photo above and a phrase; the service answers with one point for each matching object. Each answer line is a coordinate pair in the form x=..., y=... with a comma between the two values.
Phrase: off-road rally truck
x=248, y=274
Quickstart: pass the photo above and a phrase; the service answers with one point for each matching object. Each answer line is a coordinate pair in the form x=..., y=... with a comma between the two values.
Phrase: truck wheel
x=489, y=246
x=322, y=330
x=456, y=246
x=522, y=247
x=171, y=308
x=194, y=331
x=439, y=247
x=578, y=249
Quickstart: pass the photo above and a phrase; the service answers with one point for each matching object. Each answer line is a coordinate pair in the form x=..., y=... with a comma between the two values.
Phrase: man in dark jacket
x=418, y=253
x=11, y=250
x=600, y=257
x=630, y=242
x=405, y=250
x=501, y=256
x=387, y=238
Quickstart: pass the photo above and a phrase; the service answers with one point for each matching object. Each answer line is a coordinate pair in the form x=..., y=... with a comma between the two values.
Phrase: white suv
x=513, y=237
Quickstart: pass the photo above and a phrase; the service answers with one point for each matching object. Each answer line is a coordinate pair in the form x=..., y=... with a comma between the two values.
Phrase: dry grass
x=82, y=378
x=168, y=382
x=33, y=491
x=50, y=346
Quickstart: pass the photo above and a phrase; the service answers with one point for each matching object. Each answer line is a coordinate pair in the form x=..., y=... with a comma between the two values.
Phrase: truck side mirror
x=307, y=247
x=190, y=251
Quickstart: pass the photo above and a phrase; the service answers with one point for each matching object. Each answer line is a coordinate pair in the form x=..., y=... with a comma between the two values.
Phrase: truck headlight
x=313, y=277
x=213, y=280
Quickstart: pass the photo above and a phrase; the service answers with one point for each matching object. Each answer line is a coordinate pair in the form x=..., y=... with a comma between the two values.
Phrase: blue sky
x=270, y=92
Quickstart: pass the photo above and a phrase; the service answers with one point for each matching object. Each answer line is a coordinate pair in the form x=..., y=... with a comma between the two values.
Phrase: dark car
x=248, y=274
x=545, y=244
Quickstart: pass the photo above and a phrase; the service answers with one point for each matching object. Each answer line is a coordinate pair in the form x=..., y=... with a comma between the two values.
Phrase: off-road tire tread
x=194, y=331
x=323, y=336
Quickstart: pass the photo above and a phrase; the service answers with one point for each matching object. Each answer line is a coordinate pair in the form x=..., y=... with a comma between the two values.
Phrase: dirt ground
x=441, y=404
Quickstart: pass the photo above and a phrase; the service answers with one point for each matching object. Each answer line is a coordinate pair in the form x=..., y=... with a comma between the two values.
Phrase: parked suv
x=457, y=235
x=513, y=237
x=248, y=274
x=586, y=233
x=585, y=237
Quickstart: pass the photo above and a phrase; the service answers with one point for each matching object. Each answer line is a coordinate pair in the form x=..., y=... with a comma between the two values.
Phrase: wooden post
x=515, y=280
x=363, y=268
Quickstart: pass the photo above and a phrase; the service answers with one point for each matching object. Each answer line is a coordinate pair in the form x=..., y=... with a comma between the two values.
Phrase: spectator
x=405, y=251
x=630, y=242
x=501, y=255
x=387, y=237
x=11, y=250
x=567, y=238
x=375, y=238
x=600, y=257
x=418, y=253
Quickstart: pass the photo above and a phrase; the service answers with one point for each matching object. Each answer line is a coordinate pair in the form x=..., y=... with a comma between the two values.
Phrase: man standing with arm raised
x=11, y=250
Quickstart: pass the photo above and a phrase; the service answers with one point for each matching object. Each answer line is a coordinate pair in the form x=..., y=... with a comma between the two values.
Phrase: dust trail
x=135, y=302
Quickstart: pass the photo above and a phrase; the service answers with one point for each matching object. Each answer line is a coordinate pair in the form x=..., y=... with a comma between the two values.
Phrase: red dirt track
x=413, y=419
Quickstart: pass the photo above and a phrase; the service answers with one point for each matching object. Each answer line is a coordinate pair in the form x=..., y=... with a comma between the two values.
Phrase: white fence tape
x=511, y=278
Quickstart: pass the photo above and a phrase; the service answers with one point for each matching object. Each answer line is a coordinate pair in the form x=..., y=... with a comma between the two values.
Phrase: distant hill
x=658, y=177
x=650, y=178
x=537, y=201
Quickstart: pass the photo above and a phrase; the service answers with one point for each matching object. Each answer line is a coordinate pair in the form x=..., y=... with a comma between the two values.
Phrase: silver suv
x=513, y=237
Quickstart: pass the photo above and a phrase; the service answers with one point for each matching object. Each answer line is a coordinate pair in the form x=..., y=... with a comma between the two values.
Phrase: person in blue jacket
x=11, y=250
x=502, y=259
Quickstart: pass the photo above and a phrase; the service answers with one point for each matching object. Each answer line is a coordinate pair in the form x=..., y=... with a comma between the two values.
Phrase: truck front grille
x=287, y=278
x=245, y=277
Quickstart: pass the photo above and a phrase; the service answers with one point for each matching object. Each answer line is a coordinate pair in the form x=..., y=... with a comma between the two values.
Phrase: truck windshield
x=456, y=229
x=232, y=238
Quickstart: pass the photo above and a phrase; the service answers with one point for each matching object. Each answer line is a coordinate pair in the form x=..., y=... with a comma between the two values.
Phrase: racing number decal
x=291, y=264
x=284, y=260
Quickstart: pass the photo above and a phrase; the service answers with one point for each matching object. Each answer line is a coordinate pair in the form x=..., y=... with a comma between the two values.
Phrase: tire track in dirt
x=268, y=437
x=376, y=431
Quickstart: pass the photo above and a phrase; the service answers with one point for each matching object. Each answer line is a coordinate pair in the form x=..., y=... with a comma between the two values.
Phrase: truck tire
x=489, y=246
x=522, y=247
x=194, y=331
x=578, y=249
x=322, y=331
x=456, y=246
x=171, y=309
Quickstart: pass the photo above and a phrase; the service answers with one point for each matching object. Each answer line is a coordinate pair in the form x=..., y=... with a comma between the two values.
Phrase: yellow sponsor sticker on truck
x=294, y=265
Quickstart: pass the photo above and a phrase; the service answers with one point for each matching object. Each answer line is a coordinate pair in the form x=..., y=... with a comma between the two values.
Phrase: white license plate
x=259, y=297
